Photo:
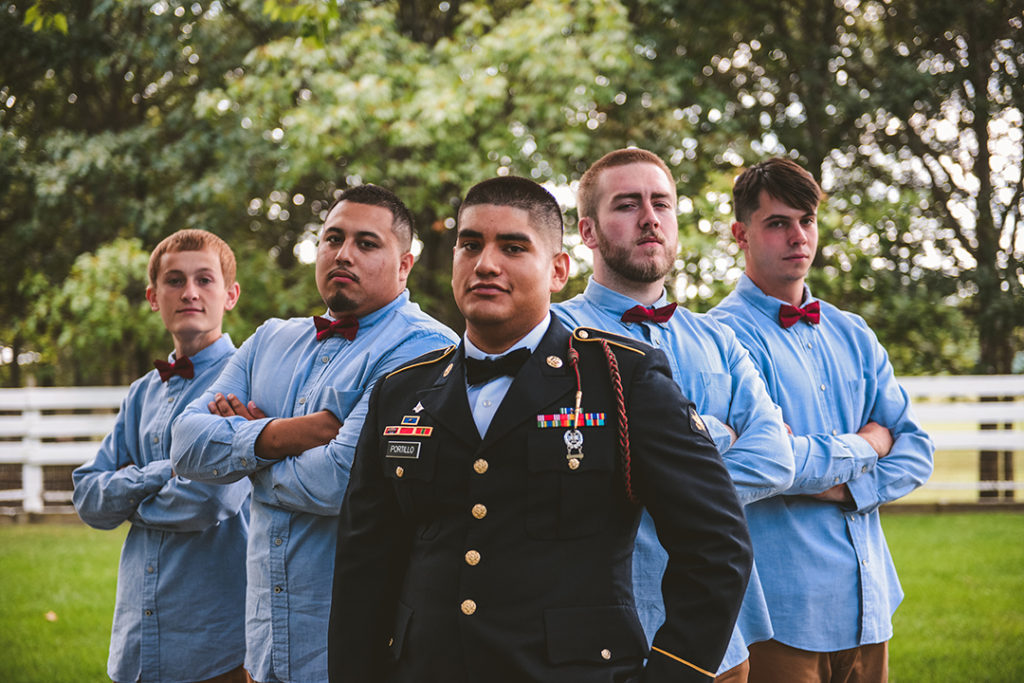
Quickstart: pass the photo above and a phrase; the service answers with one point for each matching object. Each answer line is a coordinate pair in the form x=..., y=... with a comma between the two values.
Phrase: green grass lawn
x=962, y=620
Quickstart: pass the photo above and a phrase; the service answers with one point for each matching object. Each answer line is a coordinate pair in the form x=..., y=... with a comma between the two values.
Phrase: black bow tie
x=480, y=371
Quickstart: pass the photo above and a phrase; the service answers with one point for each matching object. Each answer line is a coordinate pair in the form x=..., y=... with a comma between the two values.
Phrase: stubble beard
x=618, y=260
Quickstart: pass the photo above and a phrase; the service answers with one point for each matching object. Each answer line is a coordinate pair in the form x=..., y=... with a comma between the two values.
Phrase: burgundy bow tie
x=791, y=315
x=640, y=314
x=345, y=326
x=183, y=366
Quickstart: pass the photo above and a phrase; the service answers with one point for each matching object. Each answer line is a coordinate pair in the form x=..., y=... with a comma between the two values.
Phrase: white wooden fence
x=53, y=429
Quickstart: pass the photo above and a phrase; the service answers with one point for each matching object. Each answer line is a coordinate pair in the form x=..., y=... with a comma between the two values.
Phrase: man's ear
x=405, y=263
x=559, y=271
x=588, y=230
x=739, y=233
x=151, y=298
x=234, y=290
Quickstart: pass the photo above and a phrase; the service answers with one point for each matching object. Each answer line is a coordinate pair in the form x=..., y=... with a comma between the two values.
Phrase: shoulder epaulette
x=426, y=359
x=592, y=334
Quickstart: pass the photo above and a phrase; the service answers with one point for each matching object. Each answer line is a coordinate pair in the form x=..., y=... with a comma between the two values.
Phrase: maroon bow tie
x=345, y=326
x=791, y=315
x=183, y=366
x=640, y=314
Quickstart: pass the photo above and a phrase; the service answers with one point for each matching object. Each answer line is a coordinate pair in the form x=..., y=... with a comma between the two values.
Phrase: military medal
x=574, y=437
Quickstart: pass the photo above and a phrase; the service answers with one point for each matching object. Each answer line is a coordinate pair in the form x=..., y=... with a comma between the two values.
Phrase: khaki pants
x=773, y=662
x=234, y=676
x=737, y=674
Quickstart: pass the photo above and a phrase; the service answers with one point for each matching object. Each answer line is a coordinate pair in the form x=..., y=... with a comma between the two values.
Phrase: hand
x=878, y=437
x=789, y=430
x=839, y=493
x=230, y=406
x=291, y=436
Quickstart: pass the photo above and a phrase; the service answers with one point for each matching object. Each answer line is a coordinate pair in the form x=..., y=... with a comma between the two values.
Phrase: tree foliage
x=128, y=119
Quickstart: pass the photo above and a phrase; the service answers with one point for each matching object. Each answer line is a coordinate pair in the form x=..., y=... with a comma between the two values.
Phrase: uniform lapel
x=536, y=386
x=446, y=400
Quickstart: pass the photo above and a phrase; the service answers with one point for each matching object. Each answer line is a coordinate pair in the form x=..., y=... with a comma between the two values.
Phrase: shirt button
x=149, y=613
x=479, y=511
x=472, y=558
x=325, y=358
x=851, y=518
x=606, y=654
x=864, y=468
x=170, y=400
x=835, y=432
x=244, y=463
x=864, y=562
x=468, y=607
x=278, y=589
x=149, y=569
x=215, y=473
x=487, y=404
x=278, y=541
x=822, y=387
x=836, y=480
x=480, y=466
x=302, y=401
x=156, y=439
x=810, y=345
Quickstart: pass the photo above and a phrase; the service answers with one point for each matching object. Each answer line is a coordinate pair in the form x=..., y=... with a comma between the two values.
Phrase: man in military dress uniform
x=487, y=531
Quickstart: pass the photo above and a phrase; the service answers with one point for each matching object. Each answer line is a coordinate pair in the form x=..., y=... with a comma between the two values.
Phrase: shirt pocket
x=593, y=635
x=563, y=502
x=410, y=464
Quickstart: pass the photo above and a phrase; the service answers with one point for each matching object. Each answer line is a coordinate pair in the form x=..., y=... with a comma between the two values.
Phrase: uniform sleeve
x=372, y=551
x=110, y=487
x=315, y=480
x=682, y=481
x=760, y=461
x=910, y=460
x=214, y=449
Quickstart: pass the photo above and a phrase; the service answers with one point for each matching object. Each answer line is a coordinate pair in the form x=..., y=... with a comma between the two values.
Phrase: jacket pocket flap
x=593, y=634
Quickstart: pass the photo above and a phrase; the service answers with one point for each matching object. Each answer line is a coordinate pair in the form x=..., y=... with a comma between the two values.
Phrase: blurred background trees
x=121, y=121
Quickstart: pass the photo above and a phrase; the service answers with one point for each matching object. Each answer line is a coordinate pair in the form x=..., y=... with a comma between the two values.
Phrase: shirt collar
x=209, y=354
x=766, y=304
x=531, y=341
x=374, y=317
x=615, y=302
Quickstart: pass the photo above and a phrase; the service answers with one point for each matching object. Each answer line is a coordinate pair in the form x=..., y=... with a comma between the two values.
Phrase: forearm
x=105, y=498
x=291, y=436
x=182, y=505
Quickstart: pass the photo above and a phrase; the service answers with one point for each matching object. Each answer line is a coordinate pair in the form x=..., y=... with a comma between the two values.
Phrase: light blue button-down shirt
x=288, y=373
x=180, y=605
x=826, y=569
x=714, y=371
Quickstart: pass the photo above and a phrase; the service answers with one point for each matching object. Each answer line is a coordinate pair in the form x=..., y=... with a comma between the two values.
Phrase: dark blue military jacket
x=508, y=558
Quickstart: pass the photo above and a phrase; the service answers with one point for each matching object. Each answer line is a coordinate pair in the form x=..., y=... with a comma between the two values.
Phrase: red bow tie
x=791, y=315
x=183, y=366
x=639, y=314
x=345, y=326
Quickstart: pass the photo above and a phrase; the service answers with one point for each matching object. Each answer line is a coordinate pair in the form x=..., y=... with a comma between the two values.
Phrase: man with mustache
x=627, y=216
x=829, y=580
x=286, y=412
x=487, y=532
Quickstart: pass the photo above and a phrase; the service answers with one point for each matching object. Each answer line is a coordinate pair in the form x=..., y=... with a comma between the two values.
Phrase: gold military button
x=391, y=641
x=554, y=361
x=480, y=466
x=574, y=463
x=468, y=607
x=399, y=471
x=606, y=654
x=479, y=511
x=448, y=370
x=583, y=334
x=472, y=558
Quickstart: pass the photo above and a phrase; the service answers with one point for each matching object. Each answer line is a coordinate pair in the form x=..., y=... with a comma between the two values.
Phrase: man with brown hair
x=180, y=607
x=827, y=574
x=627, y=216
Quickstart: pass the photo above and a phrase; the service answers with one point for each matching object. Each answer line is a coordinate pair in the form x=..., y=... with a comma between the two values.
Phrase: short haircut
x=193, y=240
x=375, y=195
x=782, y=179
x=586, y=195
x=520, y=193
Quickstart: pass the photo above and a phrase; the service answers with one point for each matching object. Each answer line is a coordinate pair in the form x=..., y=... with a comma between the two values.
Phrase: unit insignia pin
x=418, y=407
